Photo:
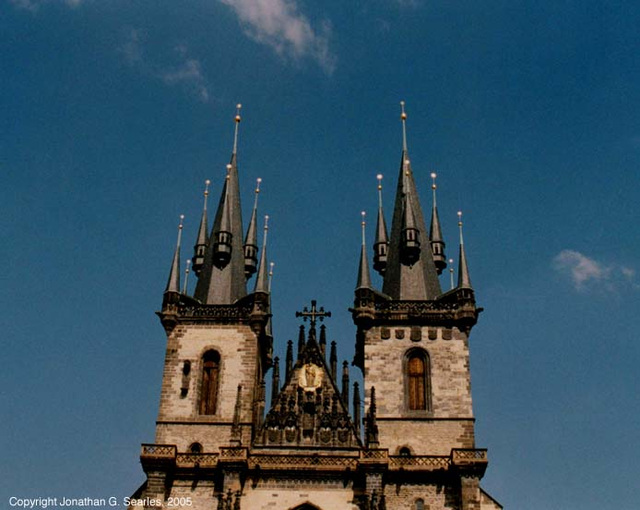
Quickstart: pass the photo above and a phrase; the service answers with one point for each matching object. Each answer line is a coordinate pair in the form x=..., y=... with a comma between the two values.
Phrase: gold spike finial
x=434, y=186
x=364, y=215
x=451, y=272
x=460, y=226
x=229, y=171
x=235, y=135
x=403, y=117
x=271, y=264
x=206, y=192
x=379, y=177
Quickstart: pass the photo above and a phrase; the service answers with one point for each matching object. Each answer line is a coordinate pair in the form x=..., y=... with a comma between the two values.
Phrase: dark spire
x=371, y=429
x=356, y=407
x=251, y=239
x=406, y=278
x=437, y=242
x=236, y=429
x=381, y=246
x=345, y=383
x=301, y=341
x=201, y=243
x=333, y=362
x=364, y=277
x=173, y=283
x=262, y=281
x=289, y=360
x=323, y=340
x=464, y=282
x=275, y=381
x=222, y=279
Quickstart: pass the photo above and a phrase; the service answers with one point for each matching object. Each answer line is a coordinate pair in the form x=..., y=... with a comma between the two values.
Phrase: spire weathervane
x=313, y=314
x=237, y=121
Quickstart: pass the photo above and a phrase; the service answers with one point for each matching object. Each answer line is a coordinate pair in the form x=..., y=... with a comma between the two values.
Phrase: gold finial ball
x=459, y=214
x=401, y=103
x=379, y=177
x=188, y=261
x=433, y=186
x=403, y=116
x=450, y=261
x=433, y=175
x=207, y=182
x=181, y=217
x=259, y=180
x=238, y=119
x=238, y=106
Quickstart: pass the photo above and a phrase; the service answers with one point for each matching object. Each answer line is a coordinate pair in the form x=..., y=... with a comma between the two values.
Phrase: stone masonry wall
x=237, y=346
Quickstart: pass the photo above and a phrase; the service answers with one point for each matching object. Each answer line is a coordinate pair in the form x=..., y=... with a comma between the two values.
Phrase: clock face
x=310, y=377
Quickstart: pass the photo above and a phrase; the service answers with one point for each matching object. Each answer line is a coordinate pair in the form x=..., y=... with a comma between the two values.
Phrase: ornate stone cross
x=313, y=313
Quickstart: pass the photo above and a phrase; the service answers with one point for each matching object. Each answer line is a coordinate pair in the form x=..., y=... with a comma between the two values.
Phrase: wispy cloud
x=183, y=70
x=34, y=5
x=589, y=274
x=280, y=25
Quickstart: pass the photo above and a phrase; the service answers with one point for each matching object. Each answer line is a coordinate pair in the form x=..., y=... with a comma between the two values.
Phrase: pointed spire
x=262, y=281
x=345, y=383
x=251, y=239
x=371, y=432
x=356, y=407
x=437, y=243
x=323, y=340
x=200, y=247
x=289, y=360
x=222, y=279
x=275, y=381
x=381, y=245
x=451, y=273
x=364, y=278
x=410, y=273
x=186, y=277
x=301, y=341
x=333, y=362
x=464, y=282
x=173, y=283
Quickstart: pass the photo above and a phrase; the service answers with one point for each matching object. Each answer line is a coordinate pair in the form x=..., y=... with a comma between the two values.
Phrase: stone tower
x=217, y=444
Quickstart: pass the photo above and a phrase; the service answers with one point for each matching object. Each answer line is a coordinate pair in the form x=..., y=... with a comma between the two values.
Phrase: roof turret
x=364, y=277
x=173, y=283
x=437, y=242
x=203, y=232
x=381, y=246
x=251, y=239
x=464, y=282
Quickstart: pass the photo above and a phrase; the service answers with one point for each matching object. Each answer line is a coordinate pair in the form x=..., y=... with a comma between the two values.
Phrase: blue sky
x=113, y=114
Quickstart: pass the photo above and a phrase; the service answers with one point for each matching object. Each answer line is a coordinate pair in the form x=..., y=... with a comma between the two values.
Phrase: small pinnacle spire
x=301, y=341
x=251, y=239
x=451, y=272
x=236, y=428
x=356, y=408
x=333, y=361
x=381, y=245
x=364, y=278
x=437, y=242
x=271, y=264
x=262, y=281
x=200, y=247
x=323, y=340
x=173, y=284
x=237, y=121
x=403, y=117
x=464, y=282
x=186, y=277
x=289, y=360
x=345, y=383
x=275, y=381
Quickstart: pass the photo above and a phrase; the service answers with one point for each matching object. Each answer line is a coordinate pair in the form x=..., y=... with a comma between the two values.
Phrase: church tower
x=412, y=345
x=218, y=446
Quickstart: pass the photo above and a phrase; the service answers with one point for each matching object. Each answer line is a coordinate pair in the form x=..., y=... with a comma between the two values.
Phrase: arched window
x=418, y=381
x=210, y=379
x=405, y=452
x=195, y=448
x=419, y=505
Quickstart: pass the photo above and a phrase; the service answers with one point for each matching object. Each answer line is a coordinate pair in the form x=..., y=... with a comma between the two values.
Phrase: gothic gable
x=309, y=411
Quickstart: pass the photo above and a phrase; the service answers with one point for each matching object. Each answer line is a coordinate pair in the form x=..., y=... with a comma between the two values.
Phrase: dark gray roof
x=419, y=281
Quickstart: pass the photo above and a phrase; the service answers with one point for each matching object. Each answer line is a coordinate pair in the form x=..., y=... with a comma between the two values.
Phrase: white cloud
x=184, y=71
x=587, y=273
x=280, y=25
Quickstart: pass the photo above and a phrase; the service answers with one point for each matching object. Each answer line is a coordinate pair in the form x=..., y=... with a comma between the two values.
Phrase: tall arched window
x=419, y=504
x=418, y=381
x=210, y=379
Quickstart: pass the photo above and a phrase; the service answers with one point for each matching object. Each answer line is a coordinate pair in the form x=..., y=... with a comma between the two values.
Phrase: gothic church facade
x=219, y=446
